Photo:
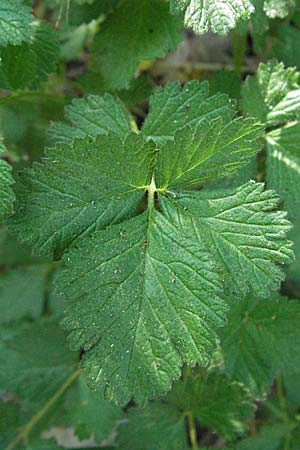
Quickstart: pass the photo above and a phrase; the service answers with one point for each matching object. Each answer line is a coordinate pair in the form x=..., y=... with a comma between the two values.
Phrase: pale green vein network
x=156, y=293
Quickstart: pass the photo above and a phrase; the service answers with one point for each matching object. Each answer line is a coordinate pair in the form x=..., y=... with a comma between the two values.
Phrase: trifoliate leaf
x=92, y=184
x=22, y=293
x=174, y=107
x=36, y=360
x=220, y=16
x=246, y=238
x=123, y=41
x=158, y=426
x=40, y=53
x=211, y=150
x=216, y=402
x=15, y=20
x=87, y=412
x=6, y=193
x=273, y=94
x=283, y=175
x=91, y=116
x=155, y=289
x=261, y=338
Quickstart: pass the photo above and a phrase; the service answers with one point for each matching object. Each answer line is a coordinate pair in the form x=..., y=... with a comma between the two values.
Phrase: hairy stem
x=24, y=431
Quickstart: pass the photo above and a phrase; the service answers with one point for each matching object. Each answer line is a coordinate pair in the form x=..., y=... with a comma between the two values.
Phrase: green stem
x=20, y=95
x=239, y=46
x=192, y=430
x=24, y=431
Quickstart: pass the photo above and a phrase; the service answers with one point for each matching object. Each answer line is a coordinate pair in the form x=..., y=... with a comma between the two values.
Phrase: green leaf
x=87, y=412
x=174, y=107
x=273, y=94
x=158, y=426
x=41, y=54
x=91, y=184
x=35, y=359
x=283, y=175
x=226, y=81
x=211, y=150
x=286, y=47
x=220, y=16
x=151, y=274
x=240, y=229
x=10, y=422
x=6, y=193
x=22, y=293
x=260, y=339
x=123, y=41
x=91, y=116
x=218, y=403
x=269, y=437
x=15, y=20
x=155, y=290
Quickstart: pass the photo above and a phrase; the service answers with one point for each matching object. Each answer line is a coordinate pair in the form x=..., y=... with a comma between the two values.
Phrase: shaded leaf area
x=260, y=340
x=210, y=398
x=123, y=41
x=41, y=54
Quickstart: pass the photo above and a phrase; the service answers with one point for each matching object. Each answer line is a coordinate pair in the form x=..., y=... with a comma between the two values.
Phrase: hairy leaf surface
x=273, y=94
x=6, y=193
x=220, y=16
x=15, y=20
x=155, y=290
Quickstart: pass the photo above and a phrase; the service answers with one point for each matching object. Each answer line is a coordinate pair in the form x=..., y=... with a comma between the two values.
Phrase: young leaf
x=15, y=20
x=6, y=193
x=92, y=116
x=283, y=175
x=260, y=339
x=220, y=16
x=123, y=41
x=273, y=94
